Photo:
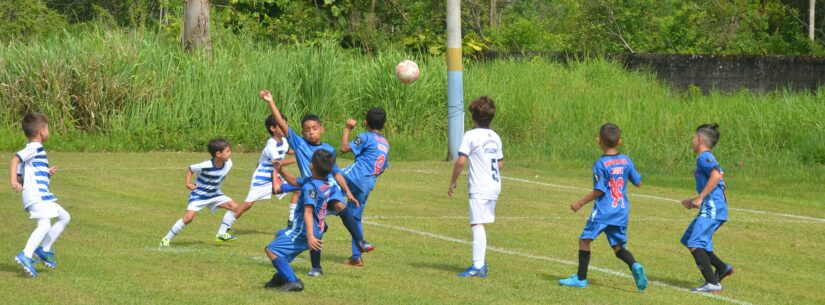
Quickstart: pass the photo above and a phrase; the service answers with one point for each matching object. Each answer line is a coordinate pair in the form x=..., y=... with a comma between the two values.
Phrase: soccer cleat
x=708, y=288
x=728, y=271
x=315, y=272
x=472, y=271
x=357, y=262
x=292, y=286
x=27, y=263
x=224, y=238
x=573, y=281
x=289, y=224
x=164, y=243
x=48, y=258
x=639, y=276
x=365, y=247
x=276, y=282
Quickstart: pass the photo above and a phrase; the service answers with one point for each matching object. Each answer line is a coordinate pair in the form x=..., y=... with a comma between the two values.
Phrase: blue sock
x=356, y=253
x=315, y=258
x=282, y=267
x=352, y=225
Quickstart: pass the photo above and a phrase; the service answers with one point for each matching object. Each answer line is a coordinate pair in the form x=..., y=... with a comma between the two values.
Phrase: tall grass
x=113, y=90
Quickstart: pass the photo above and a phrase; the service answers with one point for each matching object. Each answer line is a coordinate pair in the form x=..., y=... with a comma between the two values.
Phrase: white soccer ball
x=407, y=71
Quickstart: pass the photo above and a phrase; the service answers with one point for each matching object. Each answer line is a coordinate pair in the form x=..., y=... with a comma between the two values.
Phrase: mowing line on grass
x=554, y=260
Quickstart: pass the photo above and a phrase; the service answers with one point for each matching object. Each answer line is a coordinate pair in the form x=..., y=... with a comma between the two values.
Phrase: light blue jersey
x=304, y=150
x=714, y=206
x=371, y=152
x=611, y=173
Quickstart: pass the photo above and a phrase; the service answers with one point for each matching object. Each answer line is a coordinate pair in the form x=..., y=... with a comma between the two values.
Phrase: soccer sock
x=315, y=259
x=175, y=229
x=356, y=252
x=716, y=262
x=292, y=207
x=351, y=224
x=228, y=219
x=479, y=246
x=63, y=219
x=703, y=262
x=626, y=256
x=282, y=266
x=584, y=262
x=39, y=233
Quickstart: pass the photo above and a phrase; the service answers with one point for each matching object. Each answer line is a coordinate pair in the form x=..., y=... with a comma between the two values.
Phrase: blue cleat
x=639, y=276
x=27, y=263
x=48, y=258
x=573, y=281
x=728, y=271
x=472, y=271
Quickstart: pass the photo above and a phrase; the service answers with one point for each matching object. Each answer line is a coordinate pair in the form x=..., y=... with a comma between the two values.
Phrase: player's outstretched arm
x=345, y=138
x=15, y=183
x=189, y=184
x=289, y=178
x=312, y=242
x=585, y=200
x=459, y=166
x=267, y=96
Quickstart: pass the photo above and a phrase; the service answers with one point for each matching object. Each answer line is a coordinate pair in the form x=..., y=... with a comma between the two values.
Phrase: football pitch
x=122, y=204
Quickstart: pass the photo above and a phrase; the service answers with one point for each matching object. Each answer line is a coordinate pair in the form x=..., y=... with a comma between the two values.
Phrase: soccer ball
x=407, y=71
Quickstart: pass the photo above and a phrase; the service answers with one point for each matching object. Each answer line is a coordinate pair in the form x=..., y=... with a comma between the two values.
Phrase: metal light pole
x=455, y=85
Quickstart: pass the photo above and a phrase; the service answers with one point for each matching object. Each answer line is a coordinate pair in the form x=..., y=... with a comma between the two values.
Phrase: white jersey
x=482, y=147
x=34, y=170
x=272, y=151
x=209, y=179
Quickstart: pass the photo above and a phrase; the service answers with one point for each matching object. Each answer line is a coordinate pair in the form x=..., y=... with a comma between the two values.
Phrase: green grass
x=123, y=203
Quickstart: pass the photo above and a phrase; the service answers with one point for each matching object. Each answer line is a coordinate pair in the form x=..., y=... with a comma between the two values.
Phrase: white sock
x=39, y=233
x=175, y=229
x=479, y=246
x=292, y=207
x=228, y=219
x=63, y=220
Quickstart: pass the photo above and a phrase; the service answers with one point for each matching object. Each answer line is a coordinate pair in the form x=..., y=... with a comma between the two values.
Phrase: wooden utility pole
x=196, y=26
x=811, y=19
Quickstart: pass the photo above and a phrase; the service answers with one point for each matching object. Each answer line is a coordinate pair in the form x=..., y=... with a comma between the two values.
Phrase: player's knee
x=65, y=218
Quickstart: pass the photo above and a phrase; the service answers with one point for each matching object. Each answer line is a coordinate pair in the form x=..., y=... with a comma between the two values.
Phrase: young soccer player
x=308, y=224
x=482, y=147
x=371, y=152
x=713, y=210
x=611, y=173
x=206, y=191
x=30, y=173
x=304, y=146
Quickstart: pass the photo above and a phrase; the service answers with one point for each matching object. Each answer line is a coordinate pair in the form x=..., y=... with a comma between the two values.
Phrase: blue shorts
x=359, y=195
x=616, y=235
x=289, y=246
x=335, y=194
x=700, y=233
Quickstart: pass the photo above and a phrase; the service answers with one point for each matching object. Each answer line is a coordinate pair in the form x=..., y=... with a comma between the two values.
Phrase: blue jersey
x=314, y=193
x=304, y=150
x=715, y=205
x=611, y=173
x=371, y=152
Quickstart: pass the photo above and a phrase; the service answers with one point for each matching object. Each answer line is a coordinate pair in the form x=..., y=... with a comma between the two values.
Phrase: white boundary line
x=554, y=260
x=648, y=219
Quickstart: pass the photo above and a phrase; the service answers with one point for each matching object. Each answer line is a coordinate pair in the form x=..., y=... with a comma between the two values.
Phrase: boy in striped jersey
x=206, y=192
x=30, y=173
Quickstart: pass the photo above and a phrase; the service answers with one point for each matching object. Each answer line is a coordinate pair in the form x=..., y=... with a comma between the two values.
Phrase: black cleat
x=276, y=282
x=292, y=286
x=289, y=224
x=365, y=247
x=724, y=273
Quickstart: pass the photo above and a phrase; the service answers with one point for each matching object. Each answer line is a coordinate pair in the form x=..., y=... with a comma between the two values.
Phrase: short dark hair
x=271, y=121
x=376, y=118
x=610, y=135
x=33, y=123
x=311, y=117
x=483, y=110
x=216, y=145
x=323, y=161
x=710, y=132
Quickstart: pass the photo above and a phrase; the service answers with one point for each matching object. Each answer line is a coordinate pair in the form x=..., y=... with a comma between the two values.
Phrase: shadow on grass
x=681, y=283
x=453, y=268
x=13, y=268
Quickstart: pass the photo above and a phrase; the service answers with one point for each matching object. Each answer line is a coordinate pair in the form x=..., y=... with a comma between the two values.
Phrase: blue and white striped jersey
x=273, y=150
x=34, y=169
x=209, y=179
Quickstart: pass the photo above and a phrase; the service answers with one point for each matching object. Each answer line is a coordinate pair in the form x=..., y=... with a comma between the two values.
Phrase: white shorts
x=211, y=203
x=43, y=210
x=482, y=211
x=258, y=193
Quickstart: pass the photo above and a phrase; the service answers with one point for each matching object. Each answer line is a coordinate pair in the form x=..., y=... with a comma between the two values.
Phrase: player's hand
x=266, y=96
x=191, y=186
x=575, y=207
x=16, y=186
x=315, y=244
x=451, y=189
x=687, y=203
x=277, y=164
x=696, y=202
x=53, y=170
x=352, y=198
x=351, y=124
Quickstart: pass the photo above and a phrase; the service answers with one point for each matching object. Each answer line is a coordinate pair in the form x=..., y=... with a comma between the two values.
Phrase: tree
x=196, y=26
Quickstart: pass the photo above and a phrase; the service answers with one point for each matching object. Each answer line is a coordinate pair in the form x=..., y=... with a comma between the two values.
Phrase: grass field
x=123, y=203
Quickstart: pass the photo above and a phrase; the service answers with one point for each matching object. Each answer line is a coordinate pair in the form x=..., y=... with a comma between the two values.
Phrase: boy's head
x=322, y=163
x=220, y=148
x=35, y=125
x=376, y=118
x=706, y=136
x=272, y=126
x=312, y=129
x=483, y=110
x=610, y=136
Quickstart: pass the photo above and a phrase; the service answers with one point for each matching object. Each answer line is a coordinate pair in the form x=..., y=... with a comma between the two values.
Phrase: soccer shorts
x=616, y=235
x=359, y=195
x=700, y=233
x=482, y=211
x=262, y=192
x=43, y=210
x=212, y=203
x=289, y=244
